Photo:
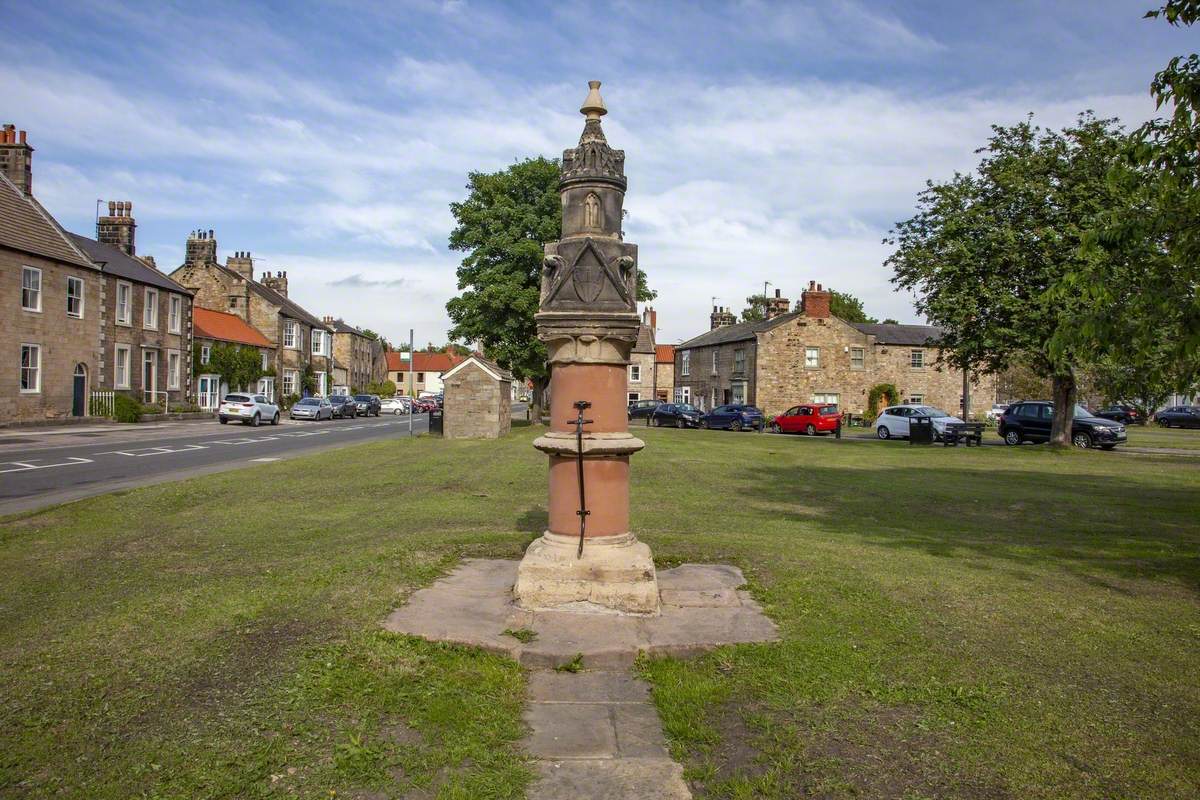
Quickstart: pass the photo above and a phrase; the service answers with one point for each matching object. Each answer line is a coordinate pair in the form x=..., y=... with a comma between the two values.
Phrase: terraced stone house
x=810, y=356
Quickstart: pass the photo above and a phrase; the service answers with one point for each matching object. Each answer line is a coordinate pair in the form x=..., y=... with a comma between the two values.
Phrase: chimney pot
x=23, y=137
x=112, y=208
x=819, y=287
x=777, y=293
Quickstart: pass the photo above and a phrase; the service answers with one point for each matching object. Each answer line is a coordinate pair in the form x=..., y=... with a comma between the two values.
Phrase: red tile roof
x=209, y=324
x=664, y=354
x=422, y=362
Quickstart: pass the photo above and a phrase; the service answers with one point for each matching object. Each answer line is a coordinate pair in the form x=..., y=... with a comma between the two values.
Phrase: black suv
x=1119, y=412
x=367, y=405
x=343, y=406
x=641, y=409
x=1030, y=420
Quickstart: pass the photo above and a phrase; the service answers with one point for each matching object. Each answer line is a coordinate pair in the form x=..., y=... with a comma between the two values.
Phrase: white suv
x=249, y=409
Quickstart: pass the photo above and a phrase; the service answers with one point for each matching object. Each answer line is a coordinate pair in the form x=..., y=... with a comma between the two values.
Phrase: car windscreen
x=930, y=411
x=750, y=410
x=365, y=398
x=828, y=411
x=309, y=401
x=237, y=398
x=1080, y=411
x=684, y=407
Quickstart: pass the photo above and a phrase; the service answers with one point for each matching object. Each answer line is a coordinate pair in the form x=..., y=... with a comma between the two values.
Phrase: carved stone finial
x=593, y=106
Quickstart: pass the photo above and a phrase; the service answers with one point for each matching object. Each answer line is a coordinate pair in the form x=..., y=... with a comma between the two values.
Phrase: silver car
x=317, y=408
x=893, y=420
x=248, y=409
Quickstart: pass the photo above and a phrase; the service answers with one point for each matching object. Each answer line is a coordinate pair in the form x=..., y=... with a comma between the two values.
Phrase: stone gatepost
x=589, y=322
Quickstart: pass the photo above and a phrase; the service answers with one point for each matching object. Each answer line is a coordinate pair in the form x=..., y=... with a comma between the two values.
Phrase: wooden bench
x=965, y=432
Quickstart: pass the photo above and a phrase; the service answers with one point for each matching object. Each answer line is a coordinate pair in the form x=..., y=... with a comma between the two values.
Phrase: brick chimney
x=815, y=301
x=241, y=263
x=278, y=281
x=201, y=248
x=777, y=305
x=16, y=158
x=118, y=228
x=721, y=317
x=650, y=318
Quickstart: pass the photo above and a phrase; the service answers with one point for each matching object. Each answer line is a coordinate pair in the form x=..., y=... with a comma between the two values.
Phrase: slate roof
x=341, y=327
x=736, y=333
x=645, y=340
x=26, y=226
x=901, y=334
x=288, y=308
x=114, y=261
x=209, y=324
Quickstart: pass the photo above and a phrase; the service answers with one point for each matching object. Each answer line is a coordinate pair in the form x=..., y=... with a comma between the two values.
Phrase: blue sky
x=764, y=141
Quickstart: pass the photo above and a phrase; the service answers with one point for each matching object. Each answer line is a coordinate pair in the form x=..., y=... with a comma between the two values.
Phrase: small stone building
x=478, y=401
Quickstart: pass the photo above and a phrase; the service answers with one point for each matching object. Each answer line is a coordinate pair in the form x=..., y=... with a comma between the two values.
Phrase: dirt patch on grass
x=849, y=749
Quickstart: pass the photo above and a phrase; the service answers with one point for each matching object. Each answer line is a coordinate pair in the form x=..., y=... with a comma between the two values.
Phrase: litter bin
x=920, y=430
x=435, y=422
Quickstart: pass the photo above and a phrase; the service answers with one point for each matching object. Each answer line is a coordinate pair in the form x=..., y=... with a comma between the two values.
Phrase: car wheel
x=704, y=424
x=254, y=421
x=1012, y=436
x=735, y=426
x=656, y=422
x=1162, y=423
x=1082, y=440
x=679, y=423
x=223, y=421
x=775, y=428
x=810, y=429
x=275, y=419
x=882, y=432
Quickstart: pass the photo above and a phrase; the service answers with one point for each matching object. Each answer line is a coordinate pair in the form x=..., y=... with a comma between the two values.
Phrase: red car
x=810, y=419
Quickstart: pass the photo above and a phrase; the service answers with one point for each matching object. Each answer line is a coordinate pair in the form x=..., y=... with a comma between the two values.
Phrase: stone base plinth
x=614, y=575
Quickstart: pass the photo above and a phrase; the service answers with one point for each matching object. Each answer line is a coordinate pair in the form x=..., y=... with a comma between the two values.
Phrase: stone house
x=355, y=356
x=427, y=371
x=810, y=356
x=210, y=328
x=640, y=384
x=300, y=340
x=664, y=372
x=145, y=317
x=50, y=313
x=478, y=403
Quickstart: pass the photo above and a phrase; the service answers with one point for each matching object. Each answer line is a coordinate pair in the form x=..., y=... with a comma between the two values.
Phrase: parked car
x=893, y=421
x=1179, y=417
x=342, y=406
x=1030, y=421
x=809, y=419
x=675, y=415
x=395, y=405
x=993, y=413
x=420, y=406
x=735, y=417
x=366, y=405
x=316, y=408
x=641, y=409
x=249, y=409
x=1129, y=415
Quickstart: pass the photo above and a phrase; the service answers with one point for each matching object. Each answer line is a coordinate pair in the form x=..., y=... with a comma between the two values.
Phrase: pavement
x=41, y=467
x=593, y=731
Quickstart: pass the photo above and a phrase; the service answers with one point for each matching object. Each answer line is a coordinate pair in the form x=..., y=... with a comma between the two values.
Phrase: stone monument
x=589, y=559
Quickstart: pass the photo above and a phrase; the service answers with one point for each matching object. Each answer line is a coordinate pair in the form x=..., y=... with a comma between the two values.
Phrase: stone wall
x=355, y=353
x=477, y=406
x=138, y=338
x=644, y=387
x=64, y=341
x=664, y=381
x=710, y=388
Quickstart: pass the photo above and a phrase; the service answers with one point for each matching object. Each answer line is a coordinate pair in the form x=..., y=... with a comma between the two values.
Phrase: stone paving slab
x=623, y=779
x=702, y=608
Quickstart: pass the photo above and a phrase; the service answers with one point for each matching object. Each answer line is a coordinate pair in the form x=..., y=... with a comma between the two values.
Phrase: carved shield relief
x=588, y=276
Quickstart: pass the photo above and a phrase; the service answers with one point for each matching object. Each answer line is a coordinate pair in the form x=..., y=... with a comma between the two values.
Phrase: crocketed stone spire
x=593, y=158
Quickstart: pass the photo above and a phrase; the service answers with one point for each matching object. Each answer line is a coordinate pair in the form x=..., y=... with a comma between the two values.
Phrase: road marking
x=25, y=466
x=249, y=440
x=135, y=452
x=264, y=459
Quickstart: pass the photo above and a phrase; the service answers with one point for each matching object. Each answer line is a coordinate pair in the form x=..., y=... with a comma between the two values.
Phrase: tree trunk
x=537, y=398
x=1063, y=390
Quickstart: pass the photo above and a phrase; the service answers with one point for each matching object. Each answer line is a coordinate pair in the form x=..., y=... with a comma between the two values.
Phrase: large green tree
x=1148, y=249
x=502, y=225
x=987, y=252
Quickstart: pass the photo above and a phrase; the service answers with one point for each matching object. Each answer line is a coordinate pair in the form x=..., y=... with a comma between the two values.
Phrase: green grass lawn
x=1153, y=436
x=995, y=622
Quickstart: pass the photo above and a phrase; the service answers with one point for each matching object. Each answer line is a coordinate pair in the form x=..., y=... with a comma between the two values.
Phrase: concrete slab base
x=701, y=608
x=613, y=574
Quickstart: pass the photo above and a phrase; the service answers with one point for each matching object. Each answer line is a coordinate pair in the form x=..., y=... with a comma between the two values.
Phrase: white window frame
x=632, y=397
x=73, y=280
x=739, y=355
x=862, y=357
x=35, y=367
x=126, y=317
x=291, y=331
x=715, y=360
x=915, y=400
x=205, y=354
x=822, y=398
x=174, y=369
x=174, y=313
x=685, y=363
x=35, y=276
x=635, y=373
x=737, y=392
x=266, y=387
x=266, y=360
x=119, y=381
x=315, y=343
x=150, y=309
x=683, y=394
x=812, y=358
x=916, y=359
x=321, y=387
x=290, y=378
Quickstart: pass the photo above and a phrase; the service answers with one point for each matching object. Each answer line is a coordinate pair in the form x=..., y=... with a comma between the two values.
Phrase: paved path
x=41, y=468
x=597, y=735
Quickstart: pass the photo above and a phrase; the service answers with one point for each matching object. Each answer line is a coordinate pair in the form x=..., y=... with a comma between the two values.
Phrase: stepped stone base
x=614, y=575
